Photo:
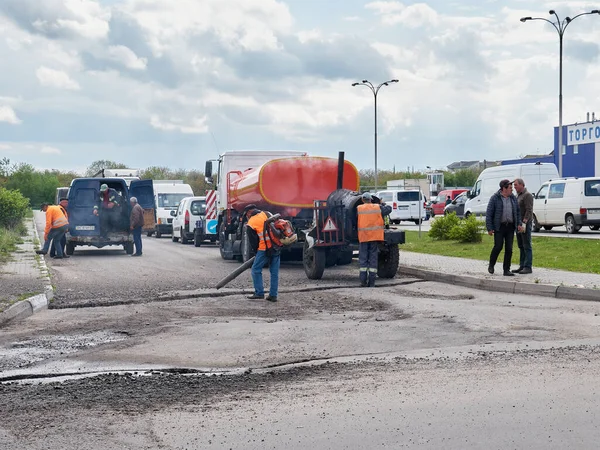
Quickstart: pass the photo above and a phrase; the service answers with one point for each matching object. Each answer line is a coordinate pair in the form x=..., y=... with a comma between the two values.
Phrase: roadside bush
x=442, y=227
x=467, y=230
x=13, y=208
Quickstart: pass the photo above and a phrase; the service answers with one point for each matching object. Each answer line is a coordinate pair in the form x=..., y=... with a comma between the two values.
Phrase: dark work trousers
x=63, y=243
x=367, y=261
x=109, y=221
x=524, y=243
x=503, y=237
x=137, y=239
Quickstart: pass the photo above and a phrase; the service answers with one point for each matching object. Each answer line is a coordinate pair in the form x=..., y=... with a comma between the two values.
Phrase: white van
x=188, y=221
x=406, y=205
x=572, y=202
x=167, y=195
x=488, y=182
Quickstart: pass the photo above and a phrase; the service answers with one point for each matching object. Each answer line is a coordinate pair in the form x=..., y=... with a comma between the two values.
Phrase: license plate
x=593, y=211
x=403, y=207
x=85, y=227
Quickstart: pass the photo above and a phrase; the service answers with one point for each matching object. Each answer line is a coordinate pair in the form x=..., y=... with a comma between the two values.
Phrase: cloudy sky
x=173, y=83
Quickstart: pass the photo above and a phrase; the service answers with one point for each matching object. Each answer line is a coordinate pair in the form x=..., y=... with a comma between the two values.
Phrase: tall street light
x=560, y=26
x=375, y=90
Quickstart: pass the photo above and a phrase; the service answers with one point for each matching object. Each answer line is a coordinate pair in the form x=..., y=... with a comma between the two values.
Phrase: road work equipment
x=236, y=273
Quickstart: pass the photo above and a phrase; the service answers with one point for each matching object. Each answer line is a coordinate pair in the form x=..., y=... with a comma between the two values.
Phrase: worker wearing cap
x=265, y=253
x=370, y=233
x=56, y=227
x=108, y=208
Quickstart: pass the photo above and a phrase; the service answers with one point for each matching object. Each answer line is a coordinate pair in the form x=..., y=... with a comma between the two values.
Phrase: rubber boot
x=363, y=279
x=372, y=277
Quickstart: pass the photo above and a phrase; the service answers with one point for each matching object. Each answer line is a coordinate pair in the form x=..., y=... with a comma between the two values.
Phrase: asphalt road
x=410, y=364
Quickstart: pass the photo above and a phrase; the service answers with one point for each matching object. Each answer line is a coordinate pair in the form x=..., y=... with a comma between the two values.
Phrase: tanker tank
x=288, y=185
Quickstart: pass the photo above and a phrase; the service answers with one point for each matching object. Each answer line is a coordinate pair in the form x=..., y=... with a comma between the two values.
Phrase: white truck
x=167, y=195
x=128, y=175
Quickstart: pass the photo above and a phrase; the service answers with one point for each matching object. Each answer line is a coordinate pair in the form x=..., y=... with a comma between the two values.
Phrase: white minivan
x=488, y=182
x=189, y=216
x=572, y=202
x=167, y=195
x=407, y=205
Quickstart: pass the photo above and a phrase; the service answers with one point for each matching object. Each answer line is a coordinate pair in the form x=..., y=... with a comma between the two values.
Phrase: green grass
x=575, y=255
x=8, y=243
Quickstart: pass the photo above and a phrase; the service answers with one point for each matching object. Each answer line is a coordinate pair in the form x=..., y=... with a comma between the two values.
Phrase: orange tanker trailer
x=288, y=186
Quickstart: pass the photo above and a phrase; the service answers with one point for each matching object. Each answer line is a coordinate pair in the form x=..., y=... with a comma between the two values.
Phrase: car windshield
x=408, y=196
x=592, y=188
x=385, y=197
x=198, y=208
x=170, y=200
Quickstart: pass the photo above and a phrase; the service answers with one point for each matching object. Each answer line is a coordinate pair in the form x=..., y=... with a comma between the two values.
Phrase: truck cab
x=85, y=227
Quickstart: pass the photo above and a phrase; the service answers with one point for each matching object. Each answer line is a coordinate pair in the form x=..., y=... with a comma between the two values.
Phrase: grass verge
x=9, y=239
x=575, y=255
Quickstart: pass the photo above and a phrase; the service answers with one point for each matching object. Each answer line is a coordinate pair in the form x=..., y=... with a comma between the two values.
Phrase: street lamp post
x=560, y=26
x=375, y=90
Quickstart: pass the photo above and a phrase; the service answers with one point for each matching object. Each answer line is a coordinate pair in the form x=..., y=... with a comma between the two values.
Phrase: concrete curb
x=512, y=287
x=28, y=307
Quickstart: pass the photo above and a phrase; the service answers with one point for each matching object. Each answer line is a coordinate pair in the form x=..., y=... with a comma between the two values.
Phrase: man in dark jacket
x=136, y=222
x=501, y=219
x=525, y=201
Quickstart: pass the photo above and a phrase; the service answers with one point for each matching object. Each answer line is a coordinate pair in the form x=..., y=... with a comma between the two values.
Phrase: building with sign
x=581, y=149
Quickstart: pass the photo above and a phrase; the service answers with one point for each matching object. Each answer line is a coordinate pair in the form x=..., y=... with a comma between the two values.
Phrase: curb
x=25, y=308
x=511, y=287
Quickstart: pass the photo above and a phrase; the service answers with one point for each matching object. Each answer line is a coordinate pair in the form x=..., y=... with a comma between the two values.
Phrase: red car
x=443, y=198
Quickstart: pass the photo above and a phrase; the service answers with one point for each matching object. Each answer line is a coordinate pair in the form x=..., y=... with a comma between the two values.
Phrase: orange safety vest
x=370, y=223
x=257, y=223
x=55, y=218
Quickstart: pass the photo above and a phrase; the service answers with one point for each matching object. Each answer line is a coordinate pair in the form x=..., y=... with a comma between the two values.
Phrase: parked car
x=572, y=202
x=457, y=206
x=443, y=199
x=189, y=216
x=407, y=205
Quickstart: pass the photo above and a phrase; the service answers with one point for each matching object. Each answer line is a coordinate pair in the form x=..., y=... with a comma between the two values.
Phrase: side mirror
x=208, y=169
x=173, y=213
x=434, y=202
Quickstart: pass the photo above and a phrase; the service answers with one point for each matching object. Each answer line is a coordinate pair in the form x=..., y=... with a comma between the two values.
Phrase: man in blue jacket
x=501, y=219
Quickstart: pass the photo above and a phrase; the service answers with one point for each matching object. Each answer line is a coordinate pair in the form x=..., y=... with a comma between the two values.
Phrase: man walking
x=136, y=222
x=501, y=218
x=370, y=233
x=525, y=202
x=266, y=252
x=56, y=227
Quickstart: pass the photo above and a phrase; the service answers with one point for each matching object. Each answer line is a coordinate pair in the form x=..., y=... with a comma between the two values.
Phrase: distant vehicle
x=84, y=226
x=457, y=206
x=167, y=195
x=61, y=192
x=488, y=182
x=409, y=205
x=443, y=198
x=189, y=222
x=128, y=175
x=572, y=202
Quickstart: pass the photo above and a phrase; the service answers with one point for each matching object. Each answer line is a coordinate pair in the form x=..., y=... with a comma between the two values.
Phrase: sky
x=175, y=83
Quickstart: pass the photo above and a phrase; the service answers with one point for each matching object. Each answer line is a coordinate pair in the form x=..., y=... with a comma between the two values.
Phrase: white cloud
x=56, y=78
x=4, y=147
x=46, y=149
x=127, y=57
x=192, y=125
x=7, y=114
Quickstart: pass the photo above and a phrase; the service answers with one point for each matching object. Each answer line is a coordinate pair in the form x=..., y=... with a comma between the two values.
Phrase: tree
x=97, y=166
x=157, y=173
x=37, y=186
x=461, y=178
x=5, y=170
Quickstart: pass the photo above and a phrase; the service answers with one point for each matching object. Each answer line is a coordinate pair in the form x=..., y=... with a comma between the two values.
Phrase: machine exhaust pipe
x=340, y=174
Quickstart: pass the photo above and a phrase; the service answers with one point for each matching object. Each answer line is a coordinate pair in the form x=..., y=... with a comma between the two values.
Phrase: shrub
x=13, y=208
x=442, y=227
x=468, y=230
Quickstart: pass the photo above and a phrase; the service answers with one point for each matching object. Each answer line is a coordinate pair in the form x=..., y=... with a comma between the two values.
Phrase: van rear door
x=143, y=190
x=83, y=195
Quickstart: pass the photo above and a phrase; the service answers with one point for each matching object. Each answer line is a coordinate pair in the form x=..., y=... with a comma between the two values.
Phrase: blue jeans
x=524, y=243
x=55, y=235
x=257, y=279
x=137, y=239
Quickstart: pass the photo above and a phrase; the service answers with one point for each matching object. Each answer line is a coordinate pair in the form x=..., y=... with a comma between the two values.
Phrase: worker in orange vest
x=266, y=252
x=370, y=233
x=56, y=227
x=64, y=204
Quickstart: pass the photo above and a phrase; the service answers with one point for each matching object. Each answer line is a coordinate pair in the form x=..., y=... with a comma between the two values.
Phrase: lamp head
x=525, y=19
x=394, y=81
x=595, y=11
x=568, y=19
x=551, y=12
x=365, y=81
x=354, y=84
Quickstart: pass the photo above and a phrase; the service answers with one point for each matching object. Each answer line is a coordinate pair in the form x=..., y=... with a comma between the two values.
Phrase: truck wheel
x=313, y=260
x=128, y=248
x=331, y=257
x=149, y=233
x=535, y=226
x=184, y=240
x=570, y=225
x=344, y=258
x=70, y=248
x=158, y=235
x=387, y=263
x=174, y=238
